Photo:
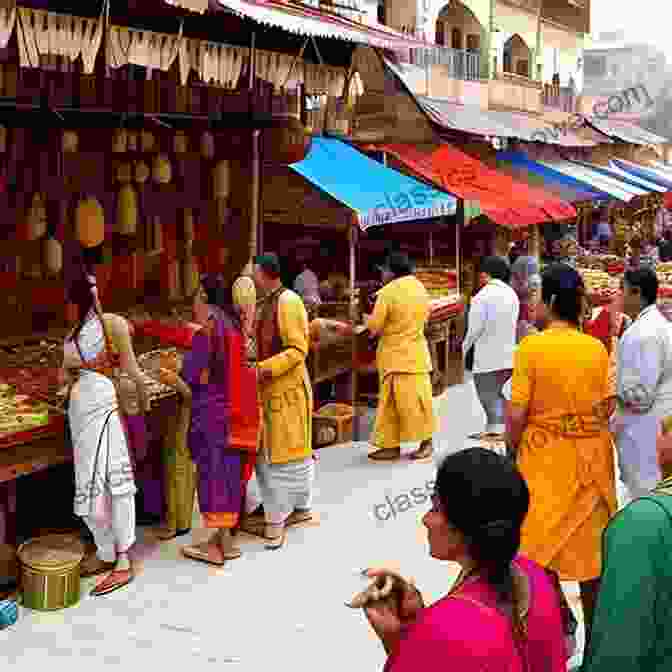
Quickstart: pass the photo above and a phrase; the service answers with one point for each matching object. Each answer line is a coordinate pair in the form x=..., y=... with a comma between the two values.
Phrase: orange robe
x=566, y=453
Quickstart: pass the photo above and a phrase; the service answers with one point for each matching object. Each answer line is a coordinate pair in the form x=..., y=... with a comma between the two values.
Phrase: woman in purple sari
x=212, y=369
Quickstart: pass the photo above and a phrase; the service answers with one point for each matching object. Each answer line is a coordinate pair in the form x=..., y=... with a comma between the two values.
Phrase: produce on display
x=19, y=413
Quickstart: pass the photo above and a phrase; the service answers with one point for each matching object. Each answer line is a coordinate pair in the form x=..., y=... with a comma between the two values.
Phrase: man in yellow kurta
x=285, y=467
x=405, y=414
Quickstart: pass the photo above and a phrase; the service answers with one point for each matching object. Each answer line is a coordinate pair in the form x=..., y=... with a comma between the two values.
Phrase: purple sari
x=220, y=469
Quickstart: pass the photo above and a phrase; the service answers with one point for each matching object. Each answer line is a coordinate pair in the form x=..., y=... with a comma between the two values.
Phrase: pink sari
x=470, y=635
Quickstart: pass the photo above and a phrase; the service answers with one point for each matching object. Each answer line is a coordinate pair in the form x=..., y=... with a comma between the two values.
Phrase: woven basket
x=337, y=416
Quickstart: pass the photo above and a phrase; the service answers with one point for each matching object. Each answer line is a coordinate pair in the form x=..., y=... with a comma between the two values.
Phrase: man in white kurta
x=644, y=382
x=491, y=331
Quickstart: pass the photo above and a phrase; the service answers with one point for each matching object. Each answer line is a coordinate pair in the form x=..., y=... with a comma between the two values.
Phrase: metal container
x=50, y=572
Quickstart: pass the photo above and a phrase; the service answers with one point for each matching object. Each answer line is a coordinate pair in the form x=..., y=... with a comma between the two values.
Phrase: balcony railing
x=461, y=64
x=562, y=98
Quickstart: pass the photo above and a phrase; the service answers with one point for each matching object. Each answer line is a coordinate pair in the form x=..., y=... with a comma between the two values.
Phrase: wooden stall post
x=255, y=224
x=352, y=249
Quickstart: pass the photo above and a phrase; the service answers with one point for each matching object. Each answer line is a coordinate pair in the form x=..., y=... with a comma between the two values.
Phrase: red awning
x=504, y=200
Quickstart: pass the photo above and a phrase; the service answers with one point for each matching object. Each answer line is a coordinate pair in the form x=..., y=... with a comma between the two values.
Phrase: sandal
x=166, y=534
x=204, y=553
x=254, y=526
x=299, y=516
x=275, y=542
x=385, y=455
x=94, y=566
x=116, y=579
x=424, y=452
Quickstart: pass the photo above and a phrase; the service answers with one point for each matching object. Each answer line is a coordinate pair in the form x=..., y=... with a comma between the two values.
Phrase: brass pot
x=50, y=572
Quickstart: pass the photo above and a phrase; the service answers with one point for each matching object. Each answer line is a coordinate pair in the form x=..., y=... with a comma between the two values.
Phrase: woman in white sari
x=105, y=487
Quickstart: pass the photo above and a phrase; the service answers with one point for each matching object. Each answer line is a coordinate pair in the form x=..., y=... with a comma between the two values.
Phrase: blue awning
x=573, y=189
x=375, y=193
x=650, y=174
x=616, y=173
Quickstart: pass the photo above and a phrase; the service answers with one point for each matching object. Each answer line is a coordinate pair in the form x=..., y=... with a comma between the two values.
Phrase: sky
x=645, y=21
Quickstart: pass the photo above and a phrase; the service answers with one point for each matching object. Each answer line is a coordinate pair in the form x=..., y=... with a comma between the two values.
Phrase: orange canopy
x=505, y=201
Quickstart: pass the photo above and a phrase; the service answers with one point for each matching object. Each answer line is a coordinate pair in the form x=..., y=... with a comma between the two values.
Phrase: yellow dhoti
x=405, y=410
x=180, y=471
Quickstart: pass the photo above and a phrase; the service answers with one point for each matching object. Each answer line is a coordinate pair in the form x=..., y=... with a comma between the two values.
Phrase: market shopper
x=307, y=284
x=526, y=282
x=563, y=447
x=502, y=613
x=644, y=381
x=105, y=487
x=285, y=467
x=632, y=630
x=491, y=332
x=405, y=415
x=212, y=368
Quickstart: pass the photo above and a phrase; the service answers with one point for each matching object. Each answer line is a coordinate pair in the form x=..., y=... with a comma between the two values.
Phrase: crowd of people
x=517, y=524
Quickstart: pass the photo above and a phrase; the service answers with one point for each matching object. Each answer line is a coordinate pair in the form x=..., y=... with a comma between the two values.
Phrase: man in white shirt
x=644, y=382
x=307, y=285
x=492, y=321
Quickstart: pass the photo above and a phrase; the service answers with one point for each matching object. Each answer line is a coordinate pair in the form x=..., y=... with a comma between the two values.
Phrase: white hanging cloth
x=42, y=33
x=7, y=21
x=142, y=47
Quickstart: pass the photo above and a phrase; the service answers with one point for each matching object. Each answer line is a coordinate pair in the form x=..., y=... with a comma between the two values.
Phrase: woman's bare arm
x=121, y=337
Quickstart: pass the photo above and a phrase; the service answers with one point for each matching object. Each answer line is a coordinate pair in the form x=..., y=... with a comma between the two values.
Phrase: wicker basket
x=337, y=416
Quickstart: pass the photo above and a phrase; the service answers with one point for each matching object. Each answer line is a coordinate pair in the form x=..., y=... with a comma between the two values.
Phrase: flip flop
x=276, y=543
x=197, y=553
x=100, y=590
x=91, y=568
x=296, y=517
x=385, y=455
x=167, y=535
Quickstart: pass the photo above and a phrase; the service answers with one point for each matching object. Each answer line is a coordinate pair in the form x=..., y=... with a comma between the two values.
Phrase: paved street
x=268, y=610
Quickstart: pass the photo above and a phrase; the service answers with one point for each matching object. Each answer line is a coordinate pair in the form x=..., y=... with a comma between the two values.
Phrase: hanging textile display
x=7, y=23
x=145, y=48
x=41, y=33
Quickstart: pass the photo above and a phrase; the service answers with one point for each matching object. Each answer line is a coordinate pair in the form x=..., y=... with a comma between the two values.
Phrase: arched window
x=456, y=38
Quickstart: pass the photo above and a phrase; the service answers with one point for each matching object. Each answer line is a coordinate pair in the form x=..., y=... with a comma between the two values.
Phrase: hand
x=263, y=376
x=387, y=617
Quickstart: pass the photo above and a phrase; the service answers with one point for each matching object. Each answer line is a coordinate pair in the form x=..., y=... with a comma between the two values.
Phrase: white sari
x=102, y=463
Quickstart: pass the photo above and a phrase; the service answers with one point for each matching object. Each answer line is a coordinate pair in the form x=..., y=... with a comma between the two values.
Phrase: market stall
x=344, y=207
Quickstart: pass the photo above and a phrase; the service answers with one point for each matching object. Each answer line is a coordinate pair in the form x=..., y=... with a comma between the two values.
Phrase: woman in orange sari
x=563, y=447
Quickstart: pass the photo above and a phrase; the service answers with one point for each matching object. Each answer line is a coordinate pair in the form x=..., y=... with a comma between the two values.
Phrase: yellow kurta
x=566, y=453
x=288, y=398
x=405, y=409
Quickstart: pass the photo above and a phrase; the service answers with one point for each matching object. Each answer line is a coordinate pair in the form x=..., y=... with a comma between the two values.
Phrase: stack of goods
x=151, y=363
x=445, y=307
x=23, y=418
x=602, y=262
x=664, y=272
x=439, y=282
x=600, y=286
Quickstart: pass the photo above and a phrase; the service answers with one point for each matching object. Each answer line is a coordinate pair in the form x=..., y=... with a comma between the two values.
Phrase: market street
x=268, y=610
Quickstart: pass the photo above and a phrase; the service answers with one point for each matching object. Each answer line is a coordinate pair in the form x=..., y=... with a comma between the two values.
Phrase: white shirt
x=307, y=286
x=493, y=317
x=644, y=378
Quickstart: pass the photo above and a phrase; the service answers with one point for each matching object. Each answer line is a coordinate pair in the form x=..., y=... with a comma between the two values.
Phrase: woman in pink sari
x=502, y=614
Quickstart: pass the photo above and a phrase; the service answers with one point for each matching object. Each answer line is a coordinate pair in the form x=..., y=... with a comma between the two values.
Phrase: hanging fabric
x=7, y=22
x=142, y=47
x=42, y=33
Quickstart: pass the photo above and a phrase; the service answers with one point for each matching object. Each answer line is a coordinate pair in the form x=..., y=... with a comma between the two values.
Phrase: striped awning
x=626, y=132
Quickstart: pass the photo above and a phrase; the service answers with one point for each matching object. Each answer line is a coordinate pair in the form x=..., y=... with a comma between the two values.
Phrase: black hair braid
x=494, y=548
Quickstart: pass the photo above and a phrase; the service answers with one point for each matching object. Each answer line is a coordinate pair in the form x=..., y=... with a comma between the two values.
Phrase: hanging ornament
x=89, y=222
x=147, y=142
x=70, y=141
x=120, y=141
x=162, y=171
x=36, y=219
x=127, y=211
x=53, y=256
